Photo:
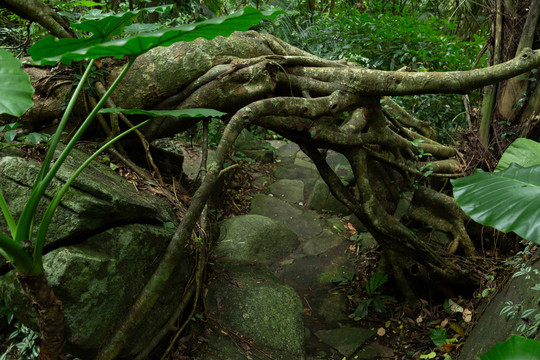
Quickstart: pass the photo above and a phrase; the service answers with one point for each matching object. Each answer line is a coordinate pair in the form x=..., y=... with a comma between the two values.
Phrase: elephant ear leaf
x=70, y=50
x=508, y=200
x=523, y=152
x=16, y=89
x=516, y=348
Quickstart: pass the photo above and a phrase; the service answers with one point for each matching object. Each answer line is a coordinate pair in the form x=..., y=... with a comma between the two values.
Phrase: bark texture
x=50, y=315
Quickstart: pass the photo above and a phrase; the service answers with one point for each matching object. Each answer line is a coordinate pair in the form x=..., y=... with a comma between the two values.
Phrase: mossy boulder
x=249, y=301
x=104, y=242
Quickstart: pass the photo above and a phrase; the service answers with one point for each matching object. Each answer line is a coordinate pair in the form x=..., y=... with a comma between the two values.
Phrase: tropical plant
x=22, y=247
x=374, y=300
x=507, y=200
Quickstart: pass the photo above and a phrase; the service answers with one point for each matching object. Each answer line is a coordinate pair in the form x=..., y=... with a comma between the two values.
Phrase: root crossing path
x=275, y=295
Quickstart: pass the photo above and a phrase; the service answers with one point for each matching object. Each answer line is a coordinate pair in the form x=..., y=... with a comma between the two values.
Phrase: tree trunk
x=512, y=107
x=50, y=315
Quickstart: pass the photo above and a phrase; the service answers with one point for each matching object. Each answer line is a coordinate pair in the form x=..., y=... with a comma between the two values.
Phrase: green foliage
x=509, y=198
x=17, y=92
x=23, y=341
x=50, y=50
x=381, y=38
x=516, y=348
x=375, y=299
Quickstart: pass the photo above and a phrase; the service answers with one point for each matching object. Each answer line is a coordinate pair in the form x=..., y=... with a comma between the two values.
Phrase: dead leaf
x=467, y=315
x=444, y=323
x=457, y=328
x=351, y=227
x=419, y=319
x=235, y=283
x=448, y=347
x=454, y=307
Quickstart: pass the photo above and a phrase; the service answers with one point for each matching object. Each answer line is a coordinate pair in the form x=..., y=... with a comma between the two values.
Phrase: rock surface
x=249, y=303
x=104, y=242
x=308, y=265
x=494, y=327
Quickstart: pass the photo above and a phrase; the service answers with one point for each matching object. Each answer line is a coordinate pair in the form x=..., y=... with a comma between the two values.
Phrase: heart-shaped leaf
x=508, y=200
x=102, y=30
x=523, y=152
x=16, y=89
x=516, y=348
x=136, y=45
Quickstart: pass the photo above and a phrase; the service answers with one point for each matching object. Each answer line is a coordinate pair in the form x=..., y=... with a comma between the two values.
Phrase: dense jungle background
x=383, y=104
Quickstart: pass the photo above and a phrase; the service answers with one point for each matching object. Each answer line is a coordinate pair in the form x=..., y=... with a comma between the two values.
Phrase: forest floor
x=435, y=330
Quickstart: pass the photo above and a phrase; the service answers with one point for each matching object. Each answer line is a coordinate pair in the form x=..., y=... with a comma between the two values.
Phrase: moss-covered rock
x=255, y=238
x=252, y=302
x=104, y=242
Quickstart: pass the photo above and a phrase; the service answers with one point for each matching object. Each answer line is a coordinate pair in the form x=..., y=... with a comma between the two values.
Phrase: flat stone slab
x=289, y=190
x=295, y=172
x=321, y=199
x=304, y=224
x=255, y=238
x=321, y=243
x=287, y=151
x=345, y=339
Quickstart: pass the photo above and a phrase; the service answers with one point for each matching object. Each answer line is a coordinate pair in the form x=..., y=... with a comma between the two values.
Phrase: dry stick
x=116, y=128
x=202, y=259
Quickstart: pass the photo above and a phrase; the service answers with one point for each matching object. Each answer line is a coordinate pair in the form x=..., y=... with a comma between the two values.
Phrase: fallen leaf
x=419, y=319
x=467, y=315
x=454, y=307
x=444, y=323
x=448, y=347
x=457, y=328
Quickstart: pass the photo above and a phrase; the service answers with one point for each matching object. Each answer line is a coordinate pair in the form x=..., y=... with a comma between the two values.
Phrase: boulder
x=255, y=315
x=104, y=242
x=321, y=199
x=493, y=327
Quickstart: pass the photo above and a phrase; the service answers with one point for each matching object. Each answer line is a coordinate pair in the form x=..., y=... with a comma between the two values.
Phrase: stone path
x=274, y=297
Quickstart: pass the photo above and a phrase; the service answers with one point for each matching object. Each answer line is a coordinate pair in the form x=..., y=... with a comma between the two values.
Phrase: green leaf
x=438, y=336
x=174, y=113
x=51, y=49
x=508, y=200
x=10, y=135
x=136, y=45
x=16, y=89
x=523, y=152
x=431, y=355
x=516, y=348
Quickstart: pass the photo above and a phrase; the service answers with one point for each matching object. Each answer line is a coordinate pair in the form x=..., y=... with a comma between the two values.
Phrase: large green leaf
x=508, y=200
x=523, y=152
x=517, y=348
x=136, y=45
x=17, y=92
x=102, y=31
x=175, y=113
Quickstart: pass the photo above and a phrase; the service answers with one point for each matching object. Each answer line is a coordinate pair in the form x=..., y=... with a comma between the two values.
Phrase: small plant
x=375, y=299
x=23, y=340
